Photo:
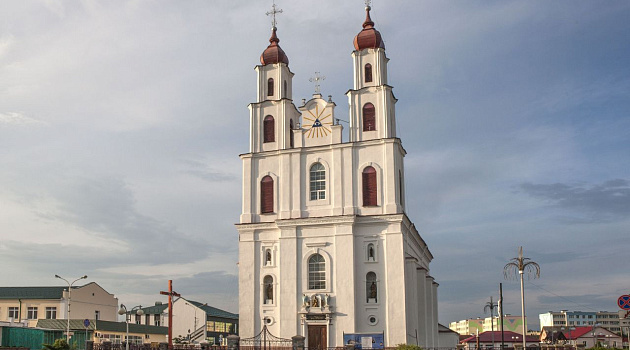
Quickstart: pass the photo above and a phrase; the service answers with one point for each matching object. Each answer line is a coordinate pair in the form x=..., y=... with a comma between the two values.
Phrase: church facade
x=326, y=249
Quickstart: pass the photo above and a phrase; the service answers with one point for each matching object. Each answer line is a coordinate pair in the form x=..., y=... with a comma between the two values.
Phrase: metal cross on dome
x=316, y=79
x=368, y=3
x=272, y=13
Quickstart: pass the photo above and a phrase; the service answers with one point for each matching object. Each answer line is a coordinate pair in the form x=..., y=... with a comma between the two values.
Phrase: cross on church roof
x=316, y=79
x=273, y=12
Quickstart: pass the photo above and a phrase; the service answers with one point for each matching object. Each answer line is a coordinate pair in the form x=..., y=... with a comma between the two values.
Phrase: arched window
x=316, y=272
x=270, y=87
x=371, y=289
x=369, y=117
x=268, y=257
x=268, y=289
x=368, y=73
x=318, y=182
x=291, y=137
x=268, y=129
x=371, y=254
x=266, y=195
x=285, y=89
x=369, y=187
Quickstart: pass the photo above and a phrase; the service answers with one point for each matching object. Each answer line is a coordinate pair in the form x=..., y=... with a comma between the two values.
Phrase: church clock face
x=317, y=124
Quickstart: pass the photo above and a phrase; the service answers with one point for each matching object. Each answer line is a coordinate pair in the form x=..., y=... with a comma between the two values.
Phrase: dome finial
x=369, y=37
x=273, y=53
x=272, y=13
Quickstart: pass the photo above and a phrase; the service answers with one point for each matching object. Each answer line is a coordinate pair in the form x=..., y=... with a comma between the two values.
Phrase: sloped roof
x=213, y=311
x=152, y=310
x=33, y=292
x=486, y=337
x=443, y=329
x=99, y=325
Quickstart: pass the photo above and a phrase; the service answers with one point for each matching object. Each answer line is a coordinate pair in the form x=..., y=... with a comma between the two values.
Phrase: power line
x=560, y=296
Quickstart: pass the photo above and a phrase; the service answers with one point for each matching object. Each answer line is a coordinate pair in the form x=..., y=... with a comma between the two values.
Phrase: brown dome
x=368, y=38
x=273, y=53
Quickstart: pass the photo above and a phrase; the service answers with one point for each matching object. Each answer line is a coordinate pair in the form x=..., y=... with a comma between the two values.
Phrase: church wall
x=247, y=281
x=395, y=285
x=421, y=274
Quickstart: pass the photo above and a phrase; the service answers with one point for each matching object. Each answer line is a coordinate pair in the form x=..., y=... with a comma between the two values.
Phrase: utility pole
x=501, y=315
x=170, y=294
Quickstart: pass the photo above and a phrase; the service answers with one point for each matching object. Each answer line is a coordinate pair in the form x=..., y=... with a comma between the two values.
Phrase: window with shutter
x=369, y=187
x=368, y=73
x=268, y=129
x=369, y=117
x=266, y=195
x=270, y=87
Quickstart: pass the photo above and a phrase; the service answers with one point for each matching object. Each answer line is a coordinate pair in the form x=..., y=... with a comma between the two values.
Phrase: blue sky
x=121, y=123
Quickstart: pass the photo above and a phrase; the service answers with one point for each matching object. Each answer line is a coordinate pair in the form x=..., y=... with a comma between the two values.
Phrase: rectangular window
x=51, y=313
x=135, y=339
x=13, y=312
x=210, y=326
x=156, y=320
x=31, y=313
x=219, y=326
x=147, y=319
x=137, y=319
x=97, y=315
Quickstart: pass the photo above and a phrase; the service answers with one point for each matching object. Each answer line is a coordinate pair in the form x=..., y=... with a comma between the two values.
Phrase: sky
x=121, y=123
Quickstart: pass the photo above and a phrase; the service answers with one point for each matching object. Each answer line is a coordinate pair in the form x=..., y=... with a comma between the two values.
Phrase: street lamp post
x=570, y=329
x=123, y=311
x=491, y=306
x=593, y=333
x=520, y=265
x=68, y=313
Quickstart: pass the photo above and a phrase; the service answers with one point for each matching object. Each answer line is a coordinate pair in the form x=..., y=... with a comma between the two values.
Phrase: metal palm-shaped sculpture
x=490, y=306
x=520, y=265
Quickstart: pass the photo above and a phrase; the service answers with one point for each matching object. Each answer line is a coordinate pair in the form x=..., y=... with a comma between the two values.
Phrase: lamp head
x=122, y=310
x=139, y=312
x=57, y=276
x=84, y=277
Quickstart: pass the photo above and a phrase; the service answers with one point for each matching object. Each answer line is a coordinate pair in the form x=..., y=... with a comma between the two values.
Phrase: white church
x=326, y=249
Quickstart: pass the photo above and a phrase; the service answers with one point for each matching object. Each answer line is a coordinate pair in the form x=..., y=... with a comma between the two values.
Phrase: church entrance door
x=317, y=337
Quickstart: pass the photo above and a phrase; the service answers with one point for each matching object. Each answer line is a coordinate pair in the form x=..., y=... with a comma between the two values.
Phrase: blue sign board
x=365, y=340
x=86, y=323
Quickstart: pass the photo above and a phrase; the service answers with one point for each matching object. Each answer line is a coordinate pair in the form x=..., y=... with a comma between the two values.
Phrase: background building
x=605, y=319
x=486, y=339
x=478, y=325
x=193, y=321
x=30, y=304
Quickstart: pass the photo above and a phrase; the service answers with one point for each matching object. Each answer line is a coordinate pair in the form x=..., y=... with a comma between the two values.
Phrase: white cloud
x=19, y=119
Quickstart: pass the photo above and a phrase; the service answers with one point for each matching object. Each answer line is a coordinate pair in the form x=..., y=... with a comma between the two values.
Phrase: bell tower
x=372, y=112
x=273, y=115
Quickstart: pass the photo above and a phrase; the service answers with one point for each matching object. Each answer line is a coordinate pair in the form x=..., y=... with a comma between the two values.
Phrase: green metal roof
x=98, y=325
x=213, y=311
x=33, y=292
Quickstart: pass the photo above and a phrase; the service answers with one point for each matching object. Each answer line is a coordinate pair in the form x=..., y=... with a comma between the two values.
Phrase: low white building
x=193, y=322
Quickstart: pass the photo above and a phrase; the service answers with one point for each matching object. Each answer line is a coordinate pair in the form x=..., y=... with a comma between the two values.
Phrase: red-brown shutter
x=369, y=187
x=368, y=73
x=266, y=195
x=270, y=87
x=268, y=129
x=369, y=120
